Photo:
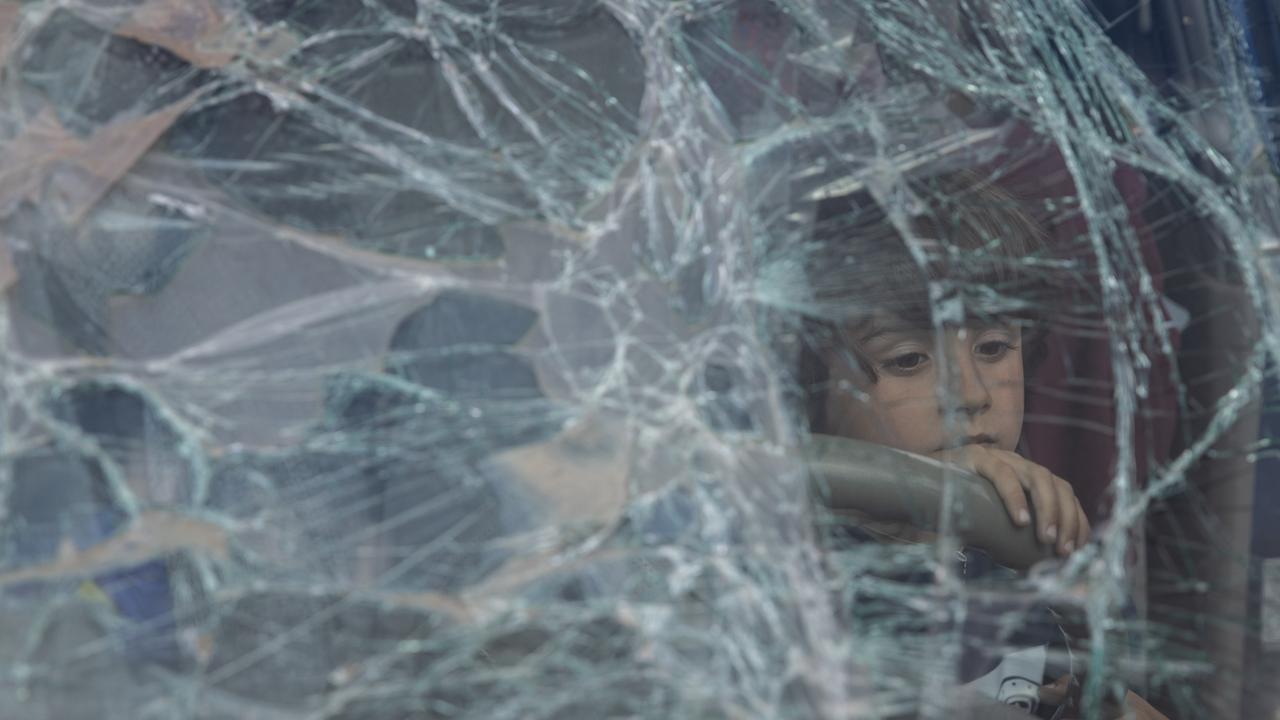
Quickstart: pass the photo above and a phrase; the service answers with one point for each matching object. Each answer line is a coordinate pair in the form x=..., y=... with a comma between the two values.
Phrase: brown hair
x=971, y=244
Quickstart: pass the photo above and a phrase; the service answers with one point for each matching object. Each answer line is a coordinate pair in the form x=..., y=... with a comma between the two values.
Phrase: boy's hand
x=1059, y=518
x=1138, y=709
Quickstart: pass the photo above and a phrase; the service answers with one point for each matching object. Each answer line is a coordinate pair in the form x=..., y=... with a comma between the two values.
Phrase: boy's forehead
x=882, y=325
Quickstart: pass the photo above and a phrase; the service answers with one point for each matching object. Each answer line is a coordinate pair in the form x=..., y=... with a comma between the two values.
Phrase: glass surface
x=376, y=359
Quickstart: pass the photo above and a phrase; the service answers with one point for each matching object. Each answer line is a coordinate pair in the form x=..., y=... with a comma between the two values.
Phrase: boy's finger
x=1055, y=693
x=1007, y=484
x=1068, y=519
x=1044, y=498
x=1084, y=531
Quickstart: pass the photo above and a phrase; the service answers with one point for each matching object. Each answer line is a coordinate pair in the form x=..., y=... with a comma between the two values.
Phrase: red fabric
x=1071, y=410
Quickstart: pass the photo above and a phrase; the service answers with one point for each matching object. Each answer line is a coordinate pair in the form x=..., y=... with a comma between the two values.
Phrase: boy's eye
x=993, y=349
x=906, y=361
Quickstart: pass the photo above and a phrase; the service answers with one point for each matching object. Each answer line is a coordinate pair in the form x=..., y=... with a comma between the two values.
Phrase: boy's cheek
x=914, y=426
x=1009, y=413
x=902, y=415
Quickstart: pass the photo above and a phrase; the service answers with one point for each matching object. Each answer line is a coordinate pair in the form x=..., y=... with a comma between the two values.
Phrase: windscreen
x=381, y=359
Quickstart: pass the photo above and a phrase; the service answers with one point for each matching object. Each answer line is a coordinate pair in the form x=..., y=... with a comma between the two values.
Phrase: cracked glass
x=374, y=359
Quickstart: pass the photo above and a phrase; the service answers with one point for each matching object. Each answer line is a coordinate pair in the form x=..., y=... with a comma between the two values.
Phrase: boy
x=922, y=345
x=875, y=368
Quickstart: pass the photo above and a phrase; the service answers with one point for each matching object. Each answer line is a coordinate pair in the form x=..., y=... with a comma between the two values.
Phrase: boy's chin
x=991, y=442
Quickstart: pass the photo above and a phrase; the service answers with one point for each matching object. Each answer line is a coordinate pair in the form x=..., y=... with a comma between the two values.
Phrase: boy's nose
x=969, y=392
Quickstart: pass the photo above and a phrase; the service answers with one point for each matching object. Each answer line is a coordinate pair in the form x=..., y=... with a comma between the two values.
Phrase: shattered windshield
x=486, y=359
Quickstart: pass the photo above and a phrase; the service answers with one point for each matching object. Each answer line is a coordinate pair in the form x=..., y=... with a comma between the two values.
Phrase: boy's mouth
x=973, y=440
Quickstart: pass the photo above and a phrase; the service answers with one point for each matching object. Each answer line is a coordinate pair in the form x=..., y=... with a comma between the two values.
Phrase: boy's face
x=921, y=403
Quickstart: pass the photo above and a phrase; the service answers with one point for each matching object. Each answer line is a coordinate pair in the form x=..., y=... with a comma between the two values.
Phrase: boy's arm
x=1135, y=708
x=1059, y=518
x=1138, y=709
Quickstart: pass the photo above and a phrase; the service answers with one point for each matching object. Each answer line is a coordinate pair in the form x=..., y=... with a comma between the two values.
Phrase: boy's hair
x=974, y=244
